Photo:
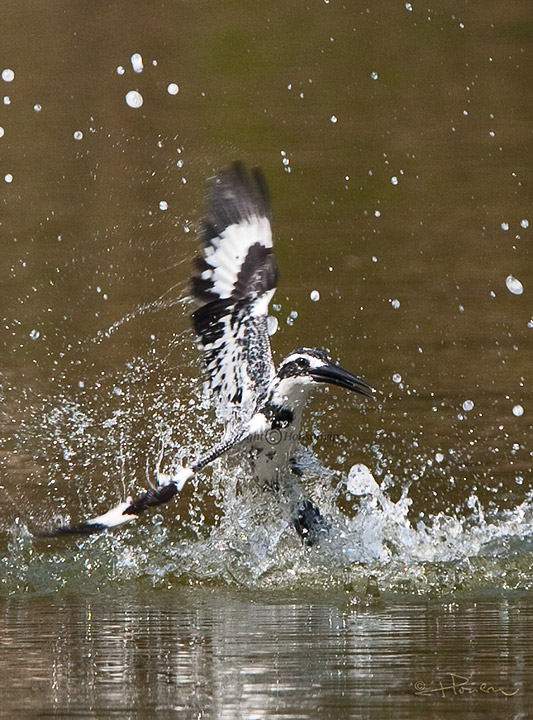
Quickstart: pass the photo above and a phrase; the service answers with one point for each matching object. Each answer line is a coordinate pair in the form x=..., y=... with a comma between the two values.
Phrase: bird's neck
x=285, y=404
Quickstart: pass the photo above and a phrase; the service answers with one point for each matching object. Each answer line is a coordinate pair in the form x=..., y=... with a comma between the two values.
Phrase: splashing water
x=101, y=442
x=230, y=530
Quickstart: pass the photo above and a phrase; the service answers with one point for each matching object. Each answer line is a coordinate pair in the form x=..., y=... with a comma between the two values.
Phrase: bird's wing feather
x=236, y=280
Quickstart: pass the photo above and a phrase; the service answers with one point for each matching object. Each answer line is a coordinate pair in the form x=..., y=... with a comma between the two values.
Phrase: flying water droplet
x=314, y=295
x=134, y=99
x=137, y=62
x=272, y=325
x=518, y=410
x=514, y=285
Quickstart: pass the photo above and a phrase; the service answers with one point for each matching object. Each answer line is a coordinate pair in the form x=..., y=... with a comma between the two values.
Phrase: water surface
x=396, y=140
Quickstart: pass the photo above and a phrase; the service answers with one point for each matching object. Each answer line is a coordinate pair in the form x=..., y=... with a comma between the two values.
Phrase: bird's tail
x=169, y=485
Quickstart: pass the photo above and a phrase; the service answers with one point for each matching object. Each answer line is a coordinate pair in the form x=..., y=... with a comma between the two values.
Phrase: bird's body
x=260, y=405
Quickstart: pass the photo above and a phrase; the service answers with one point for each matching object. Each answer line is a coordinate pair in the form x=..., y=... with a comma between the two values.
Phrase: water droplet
x=1, y=131
x=394, y=180
x=361, y=481
x=173, y=89
x=7, y=100
x=409, y=7
x=514, y=285
x=374, y=75
x=397, y=378
x=78, y=135
x=505, y=226
x=439, y=457
x=163, y=205
x=524, y=223
x=314, y=295
x=120, y=70
x=8, y=75
x=468, y=405
x=333, y=119
x=137, y=62
x=395, y=303
x=377, y=213
x=292, y=317
x=8, y=178
x=34, y=334
x=37, y=107
x=134, y=99
x=272, y=324
x=518, y=410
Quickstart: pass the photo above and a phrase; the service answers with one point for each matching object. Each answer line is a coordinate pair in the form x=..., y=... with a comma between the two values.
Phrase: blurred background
x=397, y=140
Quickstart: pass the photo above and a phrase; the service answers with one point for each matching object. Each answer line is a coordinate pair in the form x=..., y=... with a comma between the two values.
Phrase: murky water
x=397, y=141
x=218, y=654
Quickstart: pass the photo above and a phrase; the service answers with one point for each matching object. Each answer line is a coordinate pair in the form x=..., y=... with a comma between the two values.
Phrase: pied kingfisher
x=262, y=407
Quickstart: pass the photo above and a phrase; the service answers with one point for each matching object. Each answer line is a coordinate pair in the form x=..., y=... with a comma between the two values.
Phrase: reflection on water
x=203, y=653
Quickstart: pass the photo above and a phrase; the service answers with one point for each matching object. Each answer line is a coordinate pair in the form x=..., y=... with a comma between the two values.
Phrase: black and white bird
x=261, y=406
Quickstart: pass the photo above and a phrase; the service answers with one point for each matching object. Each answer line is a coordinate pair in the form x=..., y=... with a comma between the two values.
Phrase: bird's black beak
x=335, y=375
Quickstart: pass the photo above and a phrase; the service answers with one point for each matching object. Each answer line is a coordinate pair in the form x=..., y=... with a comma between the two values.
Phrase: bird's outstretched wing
x=236, y=280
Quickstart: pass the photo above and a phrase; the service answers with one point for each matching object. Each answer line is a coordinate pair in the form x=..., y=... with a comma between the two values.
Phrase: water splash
x=102, y=442
x=234, y=532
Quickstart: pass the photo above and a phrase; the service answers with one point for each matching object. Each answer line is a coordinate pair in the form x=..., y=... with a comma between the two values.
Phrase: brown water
x=396, y=140
x=218, y=654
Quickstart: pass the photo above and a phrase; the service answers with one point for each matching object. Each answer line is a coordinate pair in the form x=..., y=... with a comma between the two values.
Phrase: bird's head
x=311, y=366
